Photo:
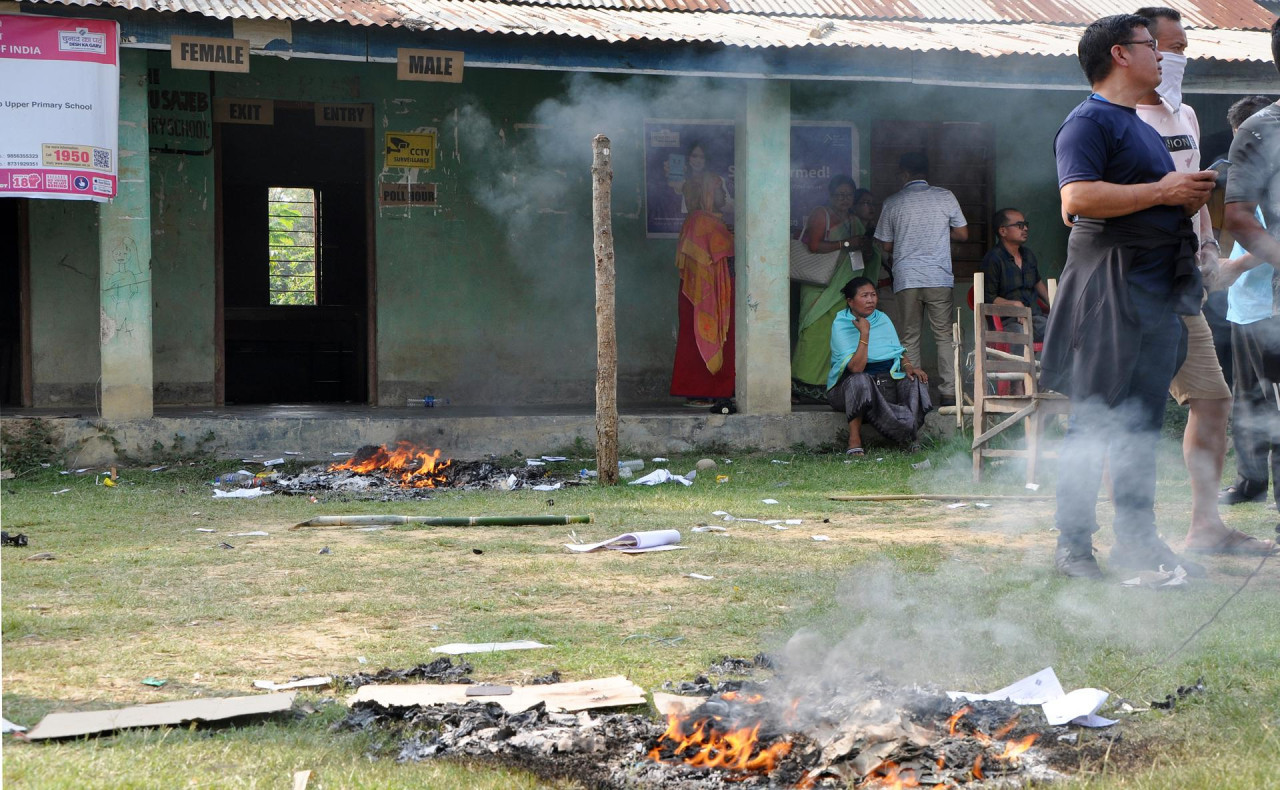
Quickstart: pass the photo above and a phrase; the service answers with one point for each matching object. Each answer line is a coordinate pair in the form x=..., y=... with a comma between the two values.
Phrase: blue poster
x=819, y=151
x=674, y=151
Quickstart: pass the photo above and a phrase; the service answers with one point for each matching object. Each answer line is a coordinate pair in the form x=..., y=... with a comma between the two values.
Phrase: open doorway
x=14, y=297
x=295, y=265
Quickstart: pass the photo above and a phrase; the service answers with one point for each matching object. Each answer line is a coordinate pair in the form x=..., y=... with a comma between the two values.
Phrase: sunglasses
x=1019, y=225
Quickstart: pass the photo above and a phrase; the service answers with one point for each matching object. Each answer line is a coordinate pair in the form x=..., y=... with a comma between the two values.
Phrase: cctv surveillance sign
x=411, y=149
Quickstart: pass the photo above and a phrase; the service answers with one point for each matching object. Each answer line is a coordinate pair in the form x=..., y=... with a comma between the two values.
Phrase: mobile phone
x=1220, y=167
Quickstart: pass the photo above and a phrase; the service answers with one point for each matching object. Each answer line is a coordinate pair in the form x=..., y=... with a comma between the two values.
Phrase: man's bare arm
x=1240, y=221
x=960, y=234
x=1103, y=200
x=887, y=246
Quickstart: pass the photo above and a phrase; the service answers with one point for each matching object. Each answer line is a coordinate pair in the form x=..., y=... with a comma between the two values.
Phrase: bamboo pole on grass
x=442, y=521
x=606, y=324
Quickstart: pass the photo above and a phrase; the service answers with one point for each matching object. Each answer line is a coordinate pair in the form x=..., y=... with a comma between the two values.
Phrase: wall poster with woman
x=689, y=193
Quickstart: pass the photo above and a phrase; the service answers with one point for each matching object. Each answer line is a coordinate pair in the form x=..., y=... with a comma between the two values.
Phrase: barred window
x=293, y=228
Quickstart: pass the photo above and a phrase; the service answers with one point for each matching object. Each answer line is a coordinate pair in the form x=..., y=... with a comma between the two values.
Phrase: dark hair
x=841, y=180
x=858, y=193
x=695, y=144
x=1095, y=46
x=914, y=163
x=1154, y=12
x=851, y=288
x=1001, y=218
x=1244, y=109
x=1275, y=43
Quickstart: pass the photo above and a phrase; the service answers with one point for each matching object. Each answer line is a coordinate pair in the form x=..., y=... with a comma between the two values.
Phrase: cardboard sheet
x=609, y=692
x=70, y=725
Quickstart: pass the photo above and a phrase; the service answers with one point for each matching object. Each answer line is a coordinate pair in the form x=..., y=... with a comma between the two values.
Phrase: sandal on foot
x=1236, y=543
x=855, y=451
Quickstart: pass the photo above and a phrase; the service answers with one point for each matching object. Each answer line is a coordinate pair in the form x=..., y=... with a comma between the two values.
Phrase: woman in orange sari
x=704, y=346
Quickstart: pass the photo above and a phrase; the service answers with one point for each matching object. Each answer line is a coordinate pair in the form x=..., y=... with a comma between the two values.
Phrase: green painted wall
x=64, y=302
x=488, y=298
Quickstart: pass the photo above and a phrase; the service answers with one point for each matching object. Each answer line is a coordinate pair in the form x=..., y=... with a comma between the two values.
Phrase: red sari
x=704, y=364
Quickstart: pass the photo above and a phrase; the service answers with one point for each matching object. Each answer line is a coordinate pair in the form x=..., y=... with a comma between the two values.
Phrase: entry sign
x=353, y=115
x=209, y=54
x=429, y=65
x=414, y=149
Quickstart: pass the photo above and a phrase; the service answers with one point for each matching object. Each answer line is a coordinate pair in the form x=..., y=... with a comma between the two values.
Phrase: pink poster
x=59, y=107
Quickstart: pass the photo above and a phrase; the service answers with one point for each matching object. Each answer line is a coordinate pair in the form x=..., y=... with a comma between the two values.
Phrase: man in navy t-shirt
x=1112, y=339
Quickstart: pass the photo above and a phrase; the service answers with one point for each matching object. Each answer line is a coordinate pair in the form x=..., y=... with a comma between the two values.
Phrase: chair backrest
x=1016, y=331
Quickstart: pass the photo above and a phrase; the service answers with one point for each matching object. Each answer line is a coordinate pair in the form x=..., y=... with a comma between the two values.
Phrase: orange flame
x=410, y=466
x=704, y=747
x=1014, y=748
x=977, y=767
x=955, y=719
x=888, y=777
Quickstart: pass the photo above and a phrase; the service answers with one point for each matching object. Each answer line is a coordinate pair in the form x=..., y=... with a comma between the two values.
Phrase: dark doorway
x=13, y=298
x=295, y=260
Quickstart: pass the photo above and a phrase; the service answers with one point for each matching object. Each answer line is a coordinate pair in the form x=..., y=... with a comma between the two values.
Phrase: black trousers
x=1255, y=411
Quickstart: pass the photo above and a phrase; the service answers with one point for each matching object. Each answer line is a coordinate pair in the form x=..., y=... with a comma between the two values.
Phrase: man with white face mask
x=1199, y=382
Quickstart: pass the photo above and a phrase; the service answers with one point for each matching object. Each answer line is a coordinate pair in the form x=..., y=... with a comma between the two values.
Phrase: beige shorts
x=1200, y=375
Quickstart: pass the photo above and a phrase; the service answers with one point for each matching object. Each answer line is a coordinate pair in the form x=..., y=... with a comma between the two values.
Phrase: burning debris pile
x=410, y=472
x=867, y=734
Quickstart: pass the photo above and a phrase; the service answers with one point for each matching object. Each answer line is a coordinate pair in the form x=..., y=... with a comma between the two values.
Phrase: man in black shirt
x=1010, y=270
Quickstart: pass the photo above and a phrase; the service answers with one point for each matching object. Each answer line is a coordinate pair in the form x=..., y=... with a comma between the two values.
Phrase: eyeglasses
x=1149, y=42
x=1019, y=225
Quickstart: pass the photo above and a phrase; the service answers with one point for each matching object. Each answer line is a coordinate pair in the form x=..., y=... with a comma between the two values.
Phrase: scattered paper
x=62, y=491
x=701, y=576
x=634, y=542
x=273, y=462
x=75, y=471
x=710, y=529
x=1043, y=689
x=342, y=455
x=157, y=469
x=545, y=487
x=292, y=452
x=361, y=660
x=780, y=528
x=303, y=683
x=255, y=534
x=70, y=725
x=554, y=458
x=300, y=779
x=660, y=476
x=240, y=493
x=922, y=465
x=769, y=501
x=459, y=648
x=983, y=505
x=820, y=537
x=957, y=505
x=667, y=704
x=8, y=726
x=534, y=462
x=769, y=522
x=659, y=460
x=1033, y=486
x=776, y=461
x=793, y=522
x=203, y=529
x=1159, y=579
x=719, y=513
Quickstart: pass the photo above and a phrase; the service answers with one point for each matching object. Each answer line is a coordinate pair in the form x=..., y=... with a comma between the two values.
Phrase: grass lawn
x=963, y=598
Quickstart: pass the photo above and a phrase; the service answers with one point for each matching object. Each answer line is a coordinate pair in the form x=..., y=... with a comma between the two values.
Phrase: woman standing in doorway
x=835, y=226
x=703, y=368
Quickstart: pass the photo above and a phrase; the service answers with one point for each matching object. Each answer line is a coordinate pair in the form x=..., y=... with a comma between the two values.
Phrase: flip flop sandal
x=855, y=451
x=1237, y=543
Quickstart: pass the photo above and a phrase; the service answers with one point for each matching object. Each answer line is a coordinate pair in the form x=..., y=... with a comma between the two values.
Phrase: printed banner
x=59, y=107
x=673, y=149
x=819, y=151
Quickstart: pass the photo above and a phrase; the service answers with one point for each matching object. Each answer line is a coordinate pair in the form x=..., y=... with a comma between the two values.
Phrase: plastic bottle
x=428, y=401
x=241, y=478
x=634, y=465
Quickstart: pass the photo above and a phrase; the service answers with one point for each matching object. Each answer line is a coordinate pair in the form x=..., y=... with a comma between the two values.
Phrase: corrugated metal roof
x=746, y=30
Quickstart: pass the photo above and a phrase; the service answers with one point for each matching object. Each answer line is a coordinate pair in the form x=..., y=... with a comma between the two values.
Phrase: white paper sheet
x=240, y=493
x=1044, y=689
x=769, y=501
x=459, y=648
x=8, y=726
x=660, y=476
x=634, y=542
x=552, y=487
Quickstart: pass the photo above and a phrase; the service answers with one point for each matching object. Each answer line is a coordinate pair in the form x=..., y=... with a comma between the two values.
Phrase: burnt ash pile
x=407, y=473
x=865, y=733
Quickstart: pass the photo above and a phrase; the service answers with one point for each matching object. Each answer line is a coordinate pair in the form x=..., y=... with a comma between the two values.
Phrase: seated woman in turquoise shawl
x=871, y=380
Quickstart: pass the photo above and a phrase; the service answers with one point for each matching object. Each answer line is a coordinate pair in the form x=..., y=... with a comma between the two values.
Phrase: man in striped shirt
x=917, y=226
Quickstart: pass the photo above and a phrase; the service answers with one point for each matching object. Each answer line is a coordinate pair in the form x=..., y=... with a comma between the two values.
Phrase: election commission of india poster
x=819, y=151
x=59, y=107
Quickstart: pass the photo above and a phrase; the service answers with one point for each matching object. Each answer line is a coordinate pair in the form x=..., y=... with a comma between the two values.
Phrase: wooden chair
x=993, y=363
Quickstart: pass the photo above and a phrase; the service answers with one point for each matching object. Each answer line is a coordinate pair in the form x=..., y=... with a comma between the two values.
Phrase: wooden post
x=606, y=324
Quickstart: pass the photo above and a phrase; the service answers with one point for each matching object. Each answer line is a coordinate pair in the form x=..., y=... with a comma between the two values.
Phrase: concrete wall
x=488, y=298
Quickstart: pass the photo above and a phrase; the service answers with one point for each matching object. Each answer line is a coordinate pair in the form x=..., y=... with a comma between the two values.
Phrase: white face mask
x=1172, y=67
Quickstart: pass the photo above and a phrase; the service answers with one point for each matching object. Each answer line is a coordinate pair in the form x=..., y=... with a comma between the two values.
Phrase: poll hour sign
x=429, y=65
x=209, y=54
